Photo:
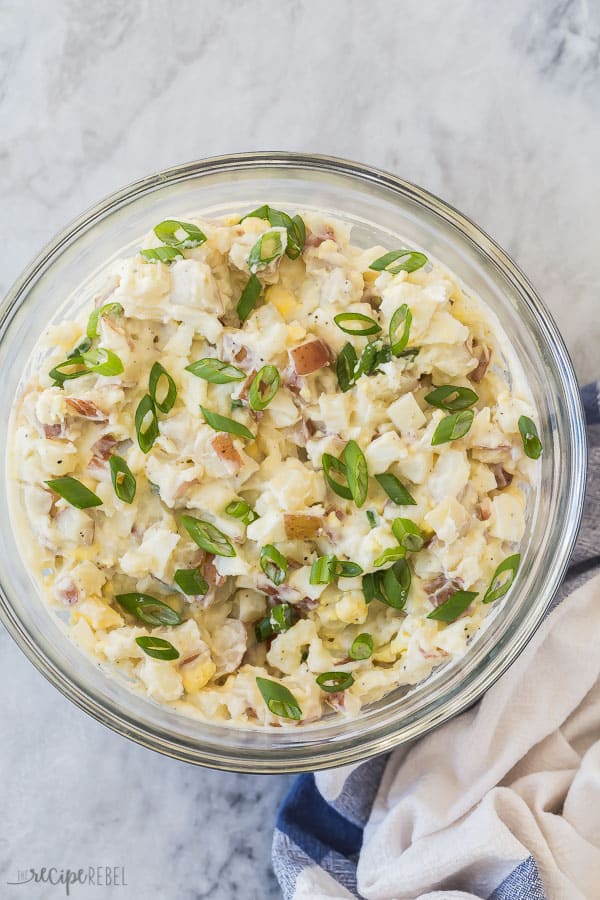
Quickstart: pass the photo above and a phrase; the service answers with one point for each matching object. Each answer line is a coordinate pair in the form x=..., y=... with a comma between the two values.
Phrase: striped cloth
x=379, y=830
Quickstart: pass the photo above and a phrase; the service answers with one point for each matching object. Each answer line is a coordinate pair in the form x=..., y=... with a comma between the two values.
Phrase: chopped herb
x=281, y=617
x=215, y=371
x=280, y=701
x=264, y=387
x=273, y=563
x=332, y=682
x=249, y=298
x=529, y=435
x=411, y=261
x=169, y=232
x=239, y=509
x=162, y=254
x=148, y=609
x=222, y=423
x=408, y=534
x=158, y=372
x=452, y=398
x=453, y=607
x=112, y=310
x=369, y=325
x=357, y=473
x=502, y=579
x=402, y=318
x=395, y=490
x=207, y=536
x=453, y=427
x=362, y=647
x=74, y=492
x=123, y=479
x=266, y=250
x=191, y=581
x=146, y=423
x=157, y=648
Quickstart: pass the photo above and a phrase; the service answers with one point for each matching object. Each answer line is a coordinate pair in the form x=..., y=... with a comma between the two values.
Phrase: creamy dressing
x=470, y=494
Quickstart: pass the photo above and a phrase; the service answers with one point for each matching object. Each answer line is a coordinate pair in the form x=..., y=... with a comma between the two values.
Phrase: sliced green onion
x=411, y=261
x=346, y=367
x=453, y=427
x=261, y=212
x=370, y=586
x=362, y=647
x=268, y=248
x=156, y=373
x=280, y=619
x=222, y=423
x=402, y=318
x=395, y=490
x=390, y=586
x=239, y=509
x=326, y=568
x=391, y=554
x=98, y=361
x=72, y=367
x=249, y=298
x=82, y=347
x=370, y=325
x=332, y=682
x=453, y=607
x=162, y=254
x=452, y=398
x=296, y=237
x=146, y=423
x=215, y=371
x=74, y=492
x=499, y=585
x=123, y=479
x=157, y=648
x=264, y=387
x=372, y=518
x=357, y=473
x=332, y=464
x=102, y=361
x=323, y=569
x=296, y=230
x=280, y=701
x=345, y=568
x=109, y=309
x=191, y=581
x=148, y=609
x=374, y=355
x=529, y=435
x=410, y=354
x=167, y=230
x=396, y=584
x=207, y=536
x=408, y=534
x=273, y=563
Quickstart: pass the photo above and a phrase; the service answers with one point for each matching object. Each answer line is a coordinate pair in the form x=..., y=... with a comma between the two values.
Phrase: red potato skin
x=310, y=356
x=301, y=527
x=223, y=447
x=86, y=409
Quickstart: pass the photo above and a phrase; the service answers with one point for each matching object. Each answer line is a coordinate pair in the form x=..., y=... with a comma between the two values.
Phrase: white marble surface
x=495, y=107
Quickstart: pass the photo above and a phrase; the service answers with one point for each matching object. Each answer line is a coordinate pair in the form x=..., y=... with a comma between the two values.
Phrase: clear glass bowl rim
x=477, y=681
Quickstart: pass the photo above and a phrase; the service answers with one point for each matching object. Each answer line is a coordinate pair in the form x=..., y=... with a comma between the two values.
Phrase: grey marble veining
x=495, y=107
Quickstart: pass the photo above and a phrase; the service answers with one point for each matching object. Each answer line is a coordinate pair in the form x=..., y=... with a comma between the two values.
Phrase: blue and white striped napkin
x=502, y=802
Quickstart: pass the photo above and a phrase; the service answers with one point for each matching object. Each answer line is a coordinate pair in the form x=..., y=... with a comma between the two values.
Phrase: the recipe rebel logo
x=91, y=876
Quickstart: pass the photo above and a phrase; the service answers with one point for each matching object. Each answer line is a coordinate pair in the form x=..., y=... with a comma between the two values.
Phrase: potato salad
x=271, y=475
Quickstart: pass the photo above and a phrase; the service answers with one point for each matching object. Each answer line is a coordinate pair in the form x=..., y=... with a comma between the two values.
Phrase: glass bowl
x=381, y=207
